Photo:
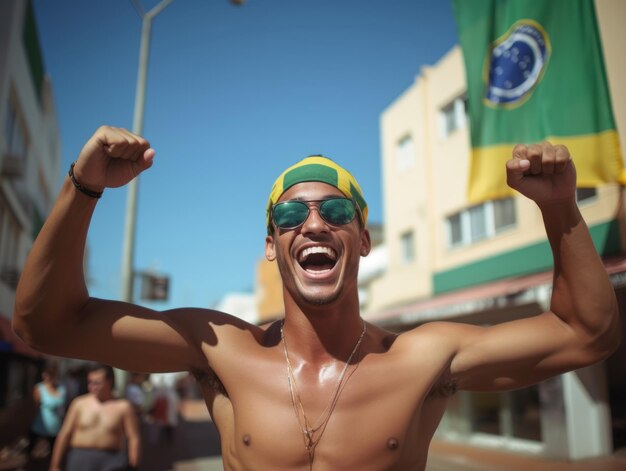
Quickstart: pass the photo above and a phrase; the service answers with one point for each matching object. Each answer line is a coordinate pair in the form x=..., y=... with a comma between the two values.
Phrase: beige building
x=269, y=291
x=489, y=263
x=29, y=176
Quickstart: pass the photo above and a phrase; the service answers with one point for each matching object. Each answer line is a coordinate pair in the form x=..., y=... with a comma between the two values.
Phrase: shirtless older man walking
x=95, y=428
x=324, y=389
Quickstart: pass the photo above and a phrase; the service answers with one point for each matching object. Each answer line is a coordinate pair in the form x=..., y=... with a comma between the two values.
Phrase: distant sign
x=154, y=287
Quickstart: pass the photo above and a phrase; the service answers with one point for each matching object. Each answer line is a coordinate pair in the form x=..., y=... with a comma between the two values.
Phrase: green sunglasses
x=291, y=214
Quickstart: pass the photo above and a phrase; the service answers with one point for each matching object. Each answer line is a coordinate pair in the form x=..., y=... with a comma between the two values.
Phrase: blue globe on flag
x=517, y=62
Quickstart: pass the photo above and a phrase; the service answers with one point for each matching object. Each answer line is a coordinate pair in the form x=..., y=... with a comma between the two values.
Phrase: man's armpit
x=445, y=387
x=208, y=379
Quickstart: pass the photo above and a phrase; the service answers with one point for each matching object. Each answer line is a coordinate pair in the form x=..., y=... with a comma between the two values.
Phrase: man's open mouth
x=317, y=259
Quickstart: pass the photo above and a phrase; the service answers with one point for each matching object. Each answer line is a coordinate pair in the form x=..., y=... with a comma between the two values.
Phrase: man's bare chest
x=104, y=419
x=375, y=415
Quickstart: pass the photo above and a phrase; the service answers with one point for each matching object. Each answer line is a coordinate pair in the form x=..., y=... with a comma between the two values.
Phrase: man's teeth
x=330, y=253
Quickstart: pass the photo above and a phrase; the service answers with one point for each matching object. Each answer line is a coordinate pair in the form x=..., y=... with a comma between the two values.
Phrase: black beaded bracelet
x=81, y=188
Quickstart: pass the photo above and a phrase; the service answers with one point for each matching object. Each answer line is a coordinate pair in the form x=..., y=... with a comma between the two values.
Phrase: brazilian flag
x=535, y=71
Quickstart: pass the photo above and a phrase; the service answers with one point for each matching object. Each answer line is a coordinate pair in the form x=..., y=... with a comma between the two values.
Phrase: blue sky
x=234, y=96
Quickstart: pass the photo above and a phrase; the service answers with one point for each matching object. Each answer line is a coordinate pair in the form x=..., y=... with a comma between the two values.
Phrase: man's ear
x=270, y=250
x=366, y=242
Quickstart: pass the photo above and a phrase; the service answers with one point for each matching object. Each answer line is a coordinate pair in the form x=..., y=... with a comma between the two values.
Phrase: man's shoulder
x=435, y=342
x=208, y=322
x=81, y=401
x=122, y=404
x=437, y=331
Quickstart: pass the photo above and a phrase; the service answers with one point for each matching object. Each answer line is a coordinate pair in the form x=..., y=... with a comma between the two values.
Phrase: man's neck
x=317, y=334
x=104, y=397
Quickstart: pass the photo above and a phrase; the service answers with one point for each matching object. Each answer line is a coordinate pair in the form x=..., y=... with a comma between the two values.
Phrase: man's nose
x=314, y=222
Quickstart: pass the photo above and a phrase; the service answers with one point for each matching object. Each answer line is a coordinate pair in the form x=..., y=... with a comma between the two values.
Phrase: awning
x=503, y=293
x=9, y=342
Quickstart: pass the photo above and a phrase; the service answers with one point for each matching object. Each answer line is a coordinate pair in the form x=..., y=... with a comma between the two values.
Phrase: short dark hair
x=108, y=371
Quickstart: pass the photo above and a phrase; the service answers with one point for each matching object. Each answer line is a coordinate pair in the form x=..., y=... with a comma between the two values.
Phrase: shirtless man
x=324, y=390
x=95, y=427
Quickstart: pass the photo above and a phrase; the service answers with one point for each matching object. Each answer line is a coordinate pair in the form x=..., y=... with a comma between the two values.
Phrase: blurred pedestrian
x=173, y=412
x=165, y=409
x=138, y=395
x=95, y=428
x=49, y=396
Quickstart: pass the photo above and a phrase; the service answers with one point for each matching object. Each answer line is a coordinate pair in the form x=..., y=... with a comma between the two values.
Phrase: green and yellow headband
x=317, y=168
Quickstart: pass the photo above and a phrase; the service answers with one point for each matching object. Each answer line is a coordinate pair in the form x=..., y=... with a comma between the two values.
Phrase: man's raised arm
x=53, y=310
x=581, y=326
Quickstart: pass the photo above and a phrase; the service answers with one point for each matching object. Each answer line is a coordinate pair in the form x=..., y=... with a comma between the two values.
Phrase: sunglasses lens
x=337, y=211
x=290, y=214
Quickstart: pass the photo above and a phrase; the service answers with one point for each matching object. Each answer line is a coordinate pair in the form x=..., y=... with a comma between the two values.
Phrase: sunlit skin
x=396, y=388
x=98, y=421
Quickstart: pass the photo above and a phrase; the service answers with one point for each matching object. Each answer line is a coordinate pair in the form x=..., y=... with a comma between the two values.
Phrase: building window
x=585, y=194
x=503, y=214
x=484, y=411
x=405, y=153
x=456, y=232
x=453, y=116
x=3, y=212
x=9, y=246
x=480, y=222
x=407, y=247
x=14, y=132
x=510, y=415
x=33, y=50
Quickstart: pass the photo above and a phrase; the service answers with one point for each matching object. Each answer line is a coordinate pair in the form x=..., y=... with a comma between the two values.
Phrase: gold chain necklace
x=309, y=431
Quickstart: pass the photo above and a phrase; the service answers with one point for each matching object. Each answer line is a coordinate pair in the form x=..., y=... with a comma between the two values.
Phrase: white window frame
x=14, y=131
x=407, y=247
x=456, y=110
x=405, y=153
x=490, y=229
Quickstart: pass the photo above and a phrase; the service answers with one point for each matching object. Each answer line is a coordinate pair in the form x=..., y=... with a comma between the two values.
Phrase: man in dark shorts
x=322, y=389
x=95, y=428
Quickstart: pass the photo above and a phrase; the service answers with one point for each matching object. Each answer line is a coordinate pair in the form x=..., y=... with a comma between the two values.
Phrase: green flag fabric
x=535, y=71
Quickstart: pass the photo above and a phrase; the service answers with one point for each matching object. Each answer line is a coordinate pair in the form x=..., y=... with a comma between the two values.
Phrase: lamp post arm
x=158, y=8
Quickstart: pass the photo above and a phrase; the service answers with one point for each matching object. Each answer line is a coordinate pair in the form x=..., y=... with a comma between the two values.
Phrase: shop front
x=577, y=415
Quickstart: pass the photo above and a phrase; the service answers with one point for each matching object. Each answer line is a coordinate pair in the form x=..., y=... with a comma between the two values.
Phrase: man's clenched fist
x=543, y=172
x=111, y=158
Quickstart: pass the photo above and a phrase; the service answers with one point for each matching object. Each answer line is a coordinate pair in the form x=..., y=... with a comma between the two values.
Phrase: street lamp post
x=140, y=98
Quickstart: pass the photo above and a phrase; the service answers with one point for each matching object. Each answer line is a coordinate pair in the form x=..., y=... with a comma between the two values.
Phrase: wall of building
x=26, y=198
x=405, y=169
x=29, y=175
x=433, y=187
x=611, y=14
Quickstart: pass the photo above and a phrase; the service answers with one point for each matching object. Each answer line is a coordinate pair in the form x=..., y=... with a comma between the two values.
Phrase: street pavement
x=452, y=457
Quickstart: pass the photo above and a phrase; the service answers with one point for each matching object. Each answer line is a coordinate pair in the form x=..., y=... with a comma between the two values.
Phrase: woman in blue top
x=49, y=397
